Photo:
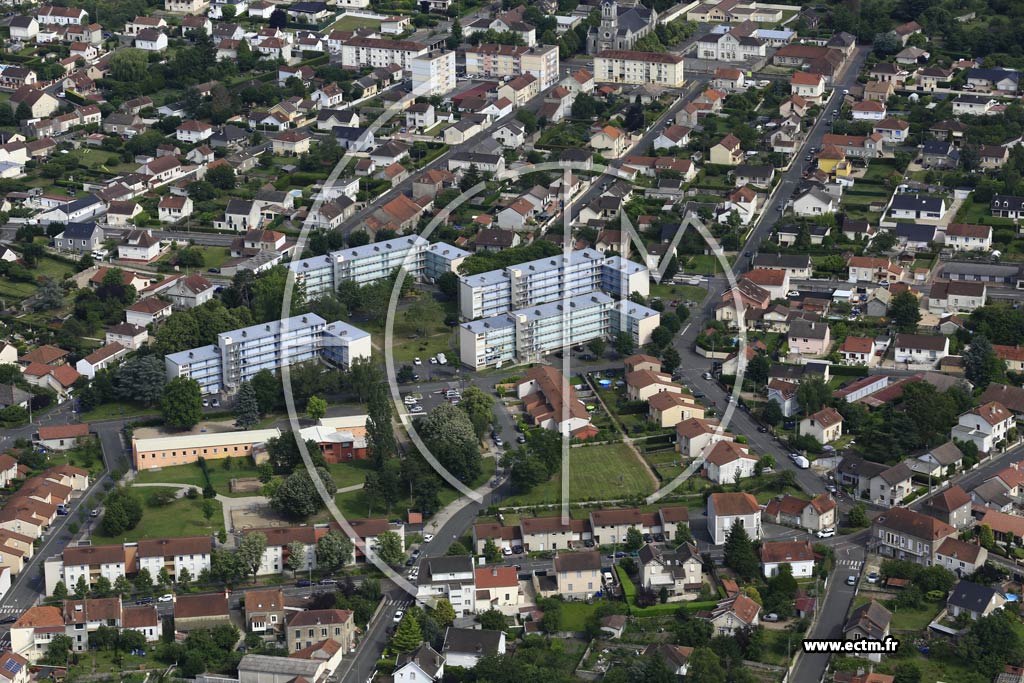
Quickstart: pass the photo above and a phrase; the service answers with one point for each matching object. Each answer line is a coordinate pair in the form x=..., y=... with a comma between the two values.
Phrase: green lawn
x=47, y=267
x=669, y=293
x=192, y=475
x=604, y=472
x=183, y=517
x=347, y=474
x=574, y=615
x=117, y=411
x=356, y=504
x=347, y=23
x=703, y=264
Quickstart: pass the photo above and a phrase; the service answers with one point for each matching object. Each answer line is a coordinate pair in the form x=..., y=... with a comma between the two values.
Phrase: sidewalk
x=445, y=514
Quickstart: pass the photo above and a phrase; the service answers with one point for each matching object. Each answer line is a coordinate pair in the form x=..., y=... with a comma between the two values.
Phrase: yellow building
x=166, y=451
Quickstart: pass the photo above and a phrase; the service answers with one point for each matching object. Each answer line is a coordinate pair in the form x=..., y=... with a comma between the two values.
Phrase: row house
x=903, y=534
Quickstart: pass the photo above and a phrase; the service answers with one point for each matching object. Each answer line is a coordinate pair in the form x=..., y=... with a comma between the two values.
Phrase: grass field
x=192, y=475
x=604, y=472
x=347, y=23
x=703, y=264
x=183, y=517
x=347, y=474
x=47, y=267
x=116, y=411
x=574, y=615
x=356, y=505
x=669, y=293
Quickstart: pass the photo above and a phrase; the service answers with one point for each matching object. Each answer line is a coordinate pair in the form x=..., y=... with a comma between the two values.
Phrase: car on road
x=826, y=533
x=398, y=615
x=831, y=489
x=303, y=583
x=410, y=562
x=10, y=619
x=416, y=409
x=706, y=375
x=94, y=513
x=771, y=616
x=762, y=429
x=845, y=91
x=498, y=441
x=427, y=538
x=166, y=597
x=851, y=580
x=808, y=157
x=780, y=207
x=144, y=601
x=520, y=439
x=873, y=577
x=697, y=394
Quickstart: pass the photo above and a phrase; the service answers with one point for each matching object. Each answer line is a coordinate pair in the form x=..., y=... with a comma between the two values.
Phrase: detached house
x=726, y=509
x=799, y=555
x=825, y=426
x=920, y=349
x=679, y=571
x=811, y=87
x=727, y=151
x=986, y=426
x=965, y=237
x=813, y=515
x=903, y=534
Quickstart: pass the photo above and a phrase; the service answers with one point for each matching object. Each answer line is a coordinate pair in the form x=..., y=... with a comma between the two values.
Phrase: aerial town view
x=518, y=341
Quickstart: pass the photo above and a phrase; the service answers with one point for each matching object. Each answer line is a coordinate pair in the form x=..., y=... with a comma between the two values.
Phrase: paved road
x=831, y=611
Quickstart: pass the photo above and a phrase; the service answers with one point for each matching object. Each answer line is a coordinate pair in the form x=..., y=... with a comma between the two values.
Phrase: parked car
x=873, y=577
x=398, y=615
x=427, y=538
x=517, y=549
x=166, y=597
x=329, y=581
x=303, y=583
x=851, y=580
x=771, y=616
x=826, y=533
x=589, y=543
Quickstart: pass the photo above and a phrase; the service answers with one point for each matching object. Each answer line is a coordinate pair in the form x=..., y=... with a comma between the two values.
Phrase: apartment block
x=527, y=334
x=490, y=61
x=549, y=279
x=433, y=74
x=115, y=561
x=627, y=66
x=372, y=262
x=357, y=52
x=239, y=354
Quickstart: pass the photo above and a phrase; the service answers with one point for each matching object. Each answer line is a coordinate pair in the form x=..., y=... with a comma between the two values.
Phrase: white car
x=166, y=597
x=416, y=409
x=417, y=361
x=427, y=538
x=826, y=533
x=506, y=551
x=206, y=403
x=215, y=403
x=409, y=401
x=398, y=615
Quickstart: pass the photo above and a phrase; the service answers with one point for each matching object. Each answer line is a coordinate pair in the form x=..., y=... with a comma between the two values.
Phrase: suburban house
x=725, y=509
x=728, y=462
x=825, y=426
x=578, y=574
x=799, y=555
x=735, y=613
x=679, y=571
x=920, y=349
x=903, y=534
x=870, y=620
x=986, y=426
x=814, y=515
x=974, y=600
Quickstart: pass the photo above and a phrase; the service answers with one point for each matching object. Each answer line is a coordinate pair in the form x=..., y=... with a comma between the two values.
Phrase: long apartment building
x=114, y=561
x=36, y=628
x=278, y=539
x=185, y=449
x=525, y=335
x=357, y=52
x=369, y=263
x=628, y=66
x=499, y=61
x=603, y=527
x=549, y=279
x=239, y=354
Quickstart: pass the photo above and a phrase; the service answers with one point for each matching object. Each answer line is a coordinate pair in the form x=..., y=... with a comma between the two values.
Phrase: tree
x=812, y=395
x=450, y=436
x=210, y=506
x=389, y=548
x=858, y=515
x=739, y=551
x=143, y=582
x=424, y=312
x=23, y=112
x=772, y=413
x=905, y=312
x=60, y=591
x=297, y=497
x=986, y=537
x=184, y=578
x=58, y=651
x=278, y=18
x=444, y=613
x=129, y=65
x=492, y=620
x=661, y=336
x=49, y=296
x=316, y=408
x=334, y=550
x=82, y=588
x=182, y=404
x=222, y=177
x=623, y=343
x=758, y=369
x=981, y=364
x=247, y=407
x=907, y=672
x=670, y=359
x=142, y=380
x=121, y=586
x=597, y=346
x=479, y=407
x=634, y=539
x=102, y=588
x=408, y=635
x=634, y=119
x=705, y=667
x=249, y=553
x=491, y=551
x=455, y=37
x=163, y=578
x=296, y=556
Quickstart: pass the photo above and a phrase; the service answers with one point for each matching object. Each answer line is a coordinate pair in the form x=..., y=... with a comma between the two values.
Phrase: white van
x=441, y=360
x=802, y=462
